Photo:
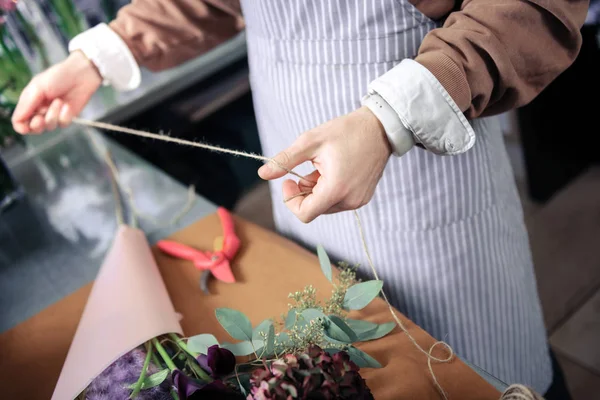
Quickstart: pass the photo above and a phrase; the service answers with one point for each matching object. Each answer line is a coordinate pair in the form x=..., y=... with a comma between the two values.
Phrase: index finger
x=310, y=206
x=31, y=99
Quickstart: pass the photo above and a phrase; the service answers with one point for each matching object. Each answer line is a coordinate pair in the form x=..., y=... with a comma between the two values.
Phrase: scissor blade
x=204, y=281
x=223, y=272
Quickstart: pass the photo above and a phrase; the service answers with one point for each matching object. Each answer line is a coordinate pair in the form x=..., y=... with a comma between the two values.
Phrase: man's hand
x=349, y=154
x=57, y=95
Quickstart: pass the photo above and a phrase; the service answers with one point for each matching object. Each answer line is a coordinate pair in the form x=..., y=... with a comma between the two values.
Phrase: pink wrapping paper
x=128, y=305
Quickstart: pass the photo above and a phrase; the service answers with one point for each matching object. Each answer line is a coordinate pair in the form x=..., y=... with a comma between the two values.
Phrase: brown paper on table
x=267, y=269
x=128, y=305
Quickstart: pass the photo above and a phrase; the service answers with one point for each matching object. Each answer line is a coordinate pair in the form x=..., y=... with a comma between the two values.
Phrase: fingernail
x=63, y=116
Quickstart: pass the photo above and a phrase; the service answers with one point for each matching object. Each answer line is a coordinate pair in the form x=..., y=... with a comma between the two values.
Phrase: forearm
x=495, y=55
x=165, y=33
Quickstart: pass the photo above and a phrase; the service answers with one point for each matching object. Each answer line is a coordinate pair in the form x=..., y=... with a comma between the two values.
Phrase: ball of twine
x=520, y=392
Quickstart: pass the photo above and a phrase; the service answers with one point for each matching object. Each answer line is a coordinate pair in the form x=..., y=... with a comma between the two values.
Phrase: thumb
x=302, y=150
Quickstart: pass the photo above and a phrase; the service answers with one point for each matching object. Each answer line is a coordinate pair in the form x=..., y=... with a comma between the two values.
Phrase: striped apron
x=446, y=232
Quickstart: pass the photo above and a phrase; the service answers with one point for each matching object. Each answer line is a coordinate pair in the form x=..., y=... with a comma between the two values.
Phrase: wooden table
x=267, y=268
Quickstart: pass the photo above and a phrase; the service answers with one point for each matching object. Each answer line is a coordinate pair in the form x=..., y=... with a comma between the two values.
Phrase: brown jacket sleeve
x=165, y=33
x=494, y=55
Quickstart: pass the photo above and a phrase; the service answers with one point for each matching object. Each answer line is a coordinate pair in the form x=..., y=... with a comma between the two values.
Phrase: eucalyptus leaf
x=244, y=348
x=201, y=343
x=338, y=330
x=325, y=263
x=262, y=328
x=381, y=331
x=361, y=327
x=153, y=380
x=270, y=346
x=332, y=351
x=311, y=314
x=362, y=359
x=283, y=340
x=290, y=320
x=360, y=295
x=366, y=330
x=235, y=323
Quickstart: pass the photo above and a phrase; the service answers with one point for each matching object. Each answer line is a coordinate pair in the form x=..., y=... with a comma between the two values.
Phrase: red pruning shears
x=217, y=262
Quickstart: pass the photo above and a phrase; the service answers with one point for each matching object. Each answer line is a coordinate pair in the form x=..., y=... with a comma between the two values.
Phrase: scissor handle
x=231, y=243
x=180, y=250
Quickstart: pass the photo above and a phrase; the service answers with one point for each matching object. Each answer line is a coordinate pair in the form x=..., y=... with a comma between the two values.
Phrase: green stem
x=200, y=372
x=193, y=365
x=156, y=361
x=182, y=345
x=163, y=353
x=138, y=385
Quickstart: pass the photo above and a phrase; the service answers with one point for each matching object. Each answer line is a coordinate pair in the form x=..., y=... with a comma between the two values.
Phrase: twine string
x=428, y=353
x=118, y=186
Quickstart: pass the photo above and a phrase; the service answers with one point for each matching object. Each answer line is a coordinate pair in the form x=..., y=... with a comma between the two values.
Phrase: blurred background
x=553, y=143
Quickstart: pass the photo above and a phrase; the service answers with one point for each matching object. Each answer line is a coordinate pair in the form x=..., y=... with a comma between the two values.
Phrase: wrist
x=400, y=139
x=375, y=129
x=111, y=56
x=85, y=66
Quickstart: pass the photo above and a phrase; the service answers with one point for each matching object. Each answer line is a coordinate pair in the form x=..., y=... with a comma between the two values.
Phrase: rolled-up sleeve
x=494, y=55
x=488, y=57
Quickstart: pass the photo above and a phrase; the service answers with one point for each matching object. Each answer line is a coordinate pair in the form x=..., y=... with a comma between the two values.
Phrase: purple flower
x=186, y=387
x=218, y=362
x=112, y=383
x=189, y=389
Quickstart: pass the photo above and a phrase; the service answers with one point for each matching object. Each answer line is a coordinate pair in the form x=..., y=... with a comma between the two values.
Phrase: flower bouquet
x=138, y=351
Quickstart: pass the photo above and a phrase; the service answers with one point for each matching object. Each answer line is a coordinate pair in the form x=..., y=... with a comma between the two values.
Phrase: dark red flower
x=185, y=386
x=190, y=389
x=311, y=375
x=218, y=362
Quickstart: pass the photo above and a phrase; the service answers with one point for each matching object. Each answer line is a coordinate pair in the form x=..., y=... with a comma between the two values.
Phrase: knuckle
x=309, y=139
x=284, y=157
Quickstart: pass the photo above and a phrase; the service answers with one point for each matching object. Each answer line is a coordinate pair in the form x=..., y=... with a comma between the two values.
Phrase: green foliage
x=325, y=263
x=201, y=343
x=360, y=295
x=244, y=348
x=362, y=359
x=368, y=330
x=347, y=278
x=309, y=322
x=235, y=323
x=153, y=380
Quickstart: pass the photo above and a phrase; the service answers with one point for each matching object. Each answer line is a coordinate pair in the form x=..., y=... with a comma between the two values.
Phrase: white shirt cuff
x=110, y=55
x=425, y=108
x=400, y=138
